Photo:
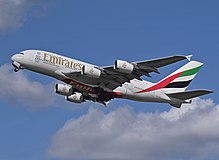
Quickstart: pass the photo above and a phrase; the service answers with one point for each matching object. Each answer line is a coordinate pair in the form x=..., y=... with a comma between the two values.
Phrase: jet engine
x=75, y=98
x=91, y=71
x=123, y=66
x=63, y=89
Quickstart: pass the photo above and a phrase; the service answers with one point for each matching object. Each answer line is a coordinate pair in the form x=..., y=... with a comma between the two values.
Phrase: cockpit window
x=21, y=53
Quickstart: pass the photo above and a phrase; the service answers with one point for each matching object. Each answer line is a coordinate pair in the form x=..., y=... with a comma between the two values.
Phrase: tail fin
x=179, y=80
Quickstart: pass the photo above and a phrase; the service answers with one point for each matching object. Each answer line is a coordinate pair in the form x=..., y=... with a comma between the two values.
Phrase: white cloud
x=14, y=12
x=191, y=132
x=16, y=87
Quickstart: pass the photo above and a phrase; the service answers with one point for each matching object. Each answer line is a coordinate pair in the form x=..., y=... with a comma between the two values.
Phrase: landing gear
x=16, y=65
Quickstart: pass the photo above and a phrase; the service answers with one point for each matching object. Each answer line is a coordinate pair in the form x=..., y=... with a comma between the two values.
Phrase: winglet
x=189, y=57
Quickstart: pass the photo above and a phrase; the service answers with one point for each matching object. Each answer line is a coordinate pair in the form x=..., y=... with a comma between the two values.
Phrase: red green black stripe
x=190, y=71
x=178, y=84
x=166, y=83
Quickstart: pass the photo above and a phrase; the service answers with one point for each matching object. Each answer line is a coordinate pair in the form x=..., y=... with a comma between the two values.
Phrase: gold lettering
x=63, y=61
x=60, y=60
x=71, y=66
x=80, y=66
x=45, y=56
x=54, y=59
x=75, y=65
x=67, y=64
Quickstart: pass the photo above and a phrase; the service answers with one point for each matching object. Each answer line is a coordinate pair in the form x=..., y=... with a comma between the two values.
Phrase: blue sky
x=99, y=32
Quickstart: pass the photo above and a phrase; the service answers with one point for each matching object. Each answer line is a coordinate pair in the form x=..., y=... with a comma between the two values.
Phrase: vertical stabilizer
x=181, y=78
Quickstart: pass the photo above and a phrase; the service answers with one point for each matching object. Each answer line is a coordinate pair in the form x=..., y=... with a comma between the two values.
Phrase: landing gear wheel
x=16, y=69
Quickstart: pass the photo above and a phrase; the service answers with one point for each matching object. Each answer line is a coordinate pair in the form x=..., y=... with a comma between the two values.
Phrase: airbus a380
x=85, y=81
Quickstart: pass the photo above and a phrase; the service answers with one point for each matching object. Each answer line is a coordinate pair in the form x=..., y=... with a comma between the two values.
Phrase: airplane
x=84, y=81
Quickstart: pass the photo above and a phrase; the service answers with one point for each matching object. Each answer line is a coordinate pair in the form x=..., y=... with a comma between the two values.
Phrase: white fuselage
x=55, y=65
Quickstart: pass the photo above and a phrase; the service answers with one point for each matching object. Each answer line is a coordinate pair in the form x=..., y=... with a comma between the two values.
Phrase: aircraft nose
x=14, y=57
x=17, y=58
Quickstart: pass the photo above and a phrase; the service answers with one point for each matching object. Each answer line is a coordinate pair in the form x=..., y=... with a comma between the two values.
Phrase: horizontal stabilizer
x=189, y=94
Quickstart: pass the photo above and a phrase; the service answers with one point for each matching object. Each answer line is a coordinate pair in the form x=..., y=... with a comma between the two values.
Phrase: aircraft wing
x=111, y=78
x=157, y=63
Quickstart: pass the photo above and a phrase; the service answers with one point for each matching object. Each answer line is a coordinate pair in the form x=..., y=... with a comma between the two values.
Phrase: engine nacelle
x=63, y=89
x=123, y=66
x=91, y=71
x=75, y=98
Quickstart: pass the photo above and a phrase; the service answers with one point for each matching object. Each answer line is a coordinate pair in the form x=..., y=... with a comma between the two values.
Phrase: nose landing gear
x=16, y=65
